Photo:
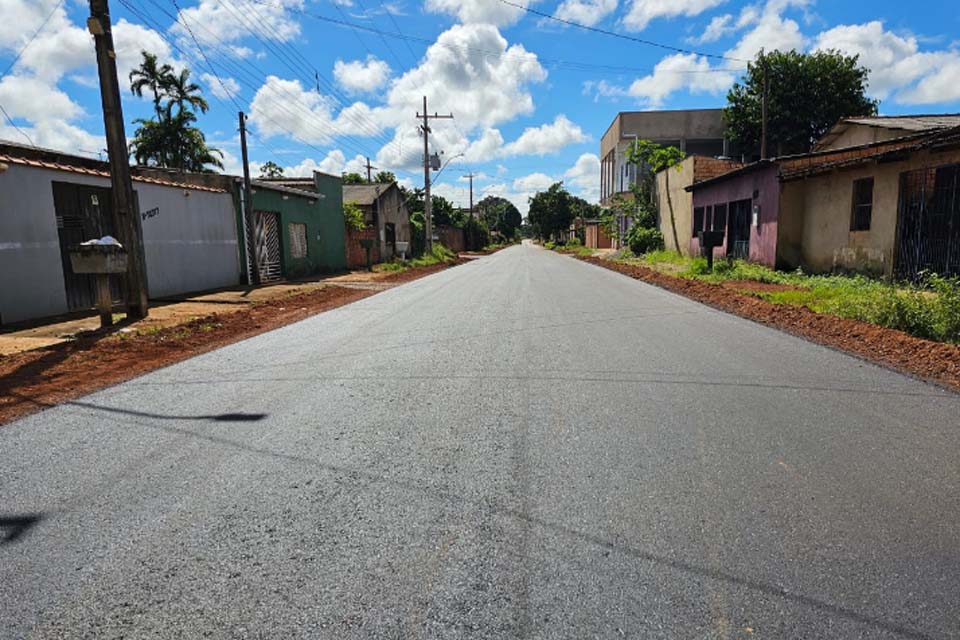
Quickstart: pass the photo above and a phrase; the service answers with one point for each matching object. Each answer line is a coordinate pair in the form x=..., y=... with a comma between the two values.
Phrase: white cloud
x=583, y=178
x=214, y=23
x=361, y=76
x=642, y=12
x=224, y=88
x=771, y=31
x=673, y=73
x=588, y=12
x=334, y=163
x=719, y=27
x=532, y=183
x=897, y=65
x=485, y=147
x=547, y=138
x=492, y=12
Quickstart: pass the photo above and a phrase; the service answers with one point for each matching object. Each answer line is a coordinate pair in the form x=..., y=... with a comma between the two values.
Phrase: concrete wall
x=392, y=209
x=828, y=243
x=332, y=233
x=675, y=205
x=31, y=274
x=761, y=181
x=190, y=239
x=860, y=134
x=190, y=242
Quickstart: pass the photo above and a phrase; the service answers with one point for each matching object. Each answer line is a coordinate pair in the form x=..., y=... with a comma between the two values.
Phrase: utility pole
x=471, y=176
x=764, y=105
x=425, y=128
x=369, y=167
x=126, y=213
x=248, y=212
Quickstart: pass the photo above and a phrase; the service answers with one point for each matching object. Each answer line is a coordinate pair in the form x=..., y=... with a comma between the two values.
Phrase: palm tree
x=153, y=76
x=184, y=92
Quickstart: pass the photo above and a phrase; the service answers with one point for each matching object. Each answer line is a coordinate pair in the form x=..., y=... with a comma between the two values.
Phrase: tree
x=385, y=177
x=499, y=215
x=551, y=211
x=443, y=214
x=170, y=139
x=271, y=169
x=807, y=94
x=353, y=178
x=152, y=76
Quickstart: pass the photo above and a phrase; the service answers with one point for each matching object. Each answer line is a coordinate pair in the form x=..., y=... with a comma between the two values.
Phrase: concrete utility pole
x=126, y=213
x=425, y=128
x=369, y=167
x=471, y=176
x=248, y=213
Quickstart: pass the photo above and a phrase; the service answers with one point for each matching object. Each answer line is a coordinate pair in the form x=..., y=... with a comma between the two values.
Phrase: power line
x=622, y=36
x=32, y=38
x=14, y=125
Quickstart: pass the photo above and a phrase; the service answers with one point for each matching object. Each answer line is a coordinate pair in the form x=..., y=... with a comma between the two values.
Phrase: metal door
x=928, y=233
x=738, y=236
x=83, y=213
x=268, y=246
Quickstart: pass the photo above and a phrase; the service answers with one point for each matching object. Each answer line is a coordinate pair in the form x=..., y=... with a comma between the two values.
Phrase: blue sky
x=531, y=97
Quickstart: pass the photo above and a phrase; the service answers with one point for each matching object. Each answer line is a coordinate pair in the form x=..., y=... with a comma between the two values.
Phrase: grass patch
x=438, y=255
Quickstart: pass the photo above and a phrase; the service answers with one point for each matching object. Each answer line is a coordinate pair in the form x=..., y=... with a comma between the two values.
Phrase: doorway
x=268, y=246
x=738, y=233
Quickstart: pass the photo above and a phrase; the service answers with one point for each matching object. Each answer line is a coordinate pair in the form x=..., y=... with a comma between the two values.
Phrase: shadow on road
x=15, y=526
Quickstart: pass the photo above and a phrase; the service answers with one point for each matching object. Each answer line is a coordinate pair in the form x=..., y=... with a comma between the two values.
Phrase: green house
x=299, y=226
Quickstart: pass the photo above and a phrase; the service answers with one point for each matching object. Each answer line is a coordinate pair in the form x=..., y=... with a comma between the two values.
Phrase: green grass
x=438, y=255
x=930, y=309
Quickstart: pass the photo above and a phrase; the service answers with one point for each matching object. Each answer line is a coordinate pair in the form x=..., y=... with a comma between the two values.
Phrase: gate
x=268, y=246
x=928, y=229
x=738, y=237
x=83, y=213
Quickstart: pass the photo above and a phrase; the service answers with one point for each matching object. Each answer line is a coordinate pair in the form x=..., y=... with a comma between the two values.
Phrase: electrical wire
x=622, y=36
x=14, y=125
x=43, y=24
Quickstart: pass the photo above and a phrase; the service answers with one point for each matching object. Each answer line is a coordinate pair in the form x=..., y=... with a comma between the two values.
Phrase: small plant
x=644, y=239
x=699, y=267
x=353, y=216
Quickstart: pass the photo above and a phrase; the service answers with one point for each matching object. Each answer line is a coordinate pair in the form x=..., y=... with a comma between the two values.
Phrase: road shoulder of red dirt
x=32, y=381
x=935, y=362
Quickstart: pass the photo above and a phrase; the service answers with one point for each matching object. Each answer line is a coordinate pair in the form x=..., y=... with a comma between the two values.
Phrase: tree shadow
x=15, y=526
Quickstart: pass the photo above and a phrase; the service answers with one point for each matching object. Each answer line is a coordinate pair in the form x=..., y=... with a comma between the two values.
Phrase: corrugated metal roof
x=282, y=188
x=910, y=123
x=364, y=194
x=56, y=166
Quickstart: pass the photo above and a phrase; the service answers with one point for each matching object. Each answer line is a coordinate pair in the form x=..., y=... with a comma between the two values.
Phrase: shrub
x=353, y=216
x=642, y=240
x=574, y=242
x=699, y=267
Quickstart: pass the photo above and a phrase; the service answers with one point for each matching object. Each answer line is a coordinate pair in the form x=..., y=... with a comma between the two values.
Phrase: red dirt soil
x=934, y=361
x=757, y=287
x=34, y=380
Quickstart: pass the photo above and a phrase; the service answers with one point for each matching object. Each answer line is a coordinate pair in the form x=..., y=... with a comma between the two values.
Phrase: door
x=738, y=233
x=268, y=246
x=928, y=235
x=390, y=238
x=83, y=213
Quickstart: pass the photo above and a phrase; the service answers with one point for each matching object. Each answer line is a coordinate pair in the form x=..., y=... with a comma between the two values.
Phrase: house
x=695, y=131
x=855, y=132
x=385, y=211
x=890, y=207
x=299, y=221
x=594, y=236
x=675, y=203
x=50, y=201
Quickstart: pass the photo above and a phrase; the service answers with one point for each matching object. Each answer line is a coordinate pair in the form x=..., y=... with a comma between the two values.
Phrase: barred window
x=720, y=217
x=298, y=239
x=862, y=205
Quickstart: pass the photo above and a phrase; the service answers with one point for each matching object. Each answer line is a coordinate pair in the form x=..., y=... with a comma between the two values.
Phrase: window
x=298, y=239
x=707, y=217
x=697, y=220
x=720, y=217
x=862, y=205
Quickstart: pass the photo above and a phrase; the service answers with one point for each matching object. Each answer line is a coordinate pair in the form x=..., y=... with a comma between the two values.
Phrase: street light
x=451, y=158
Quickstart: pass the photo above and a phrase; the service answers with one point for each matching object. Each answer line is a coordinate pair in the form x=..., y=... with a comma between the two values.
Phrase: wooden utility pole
x=126, y=213
x=425, y=128
x=253, y=259
x=763, y=107
x=471, y=176
x=370, y=168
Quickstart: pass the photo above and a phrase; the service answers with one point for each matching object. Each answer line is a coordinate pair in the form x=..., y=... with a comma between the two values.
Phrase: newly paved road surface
x=525, y=446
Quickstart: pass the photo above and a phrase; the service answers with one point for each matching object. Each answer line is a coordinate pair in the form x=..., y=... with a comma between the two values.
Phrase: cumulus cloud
x=223, y=87
x=214, y=23
x=362, y=76
x=547, y=138
x=583, y=178
x=588, y=12
x=642, y=12
x=677, y=72
x=897, y=65
x=492, y=12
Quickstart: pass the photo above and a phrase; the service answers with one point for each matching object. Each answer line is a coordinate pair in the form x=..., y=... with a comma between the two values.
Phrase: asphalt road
x=525, y=446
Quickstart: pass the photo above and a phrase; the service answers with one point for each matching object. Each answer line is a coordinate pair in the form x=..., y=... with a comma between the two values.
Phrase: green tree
x=353, y=217
x=499, y=215
x=551, y=211
x=443, y=213
x=271, y=169
x=385, y=177
x=170, y=139
x=152, y=76
x=353, y=178
x=807, y=94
